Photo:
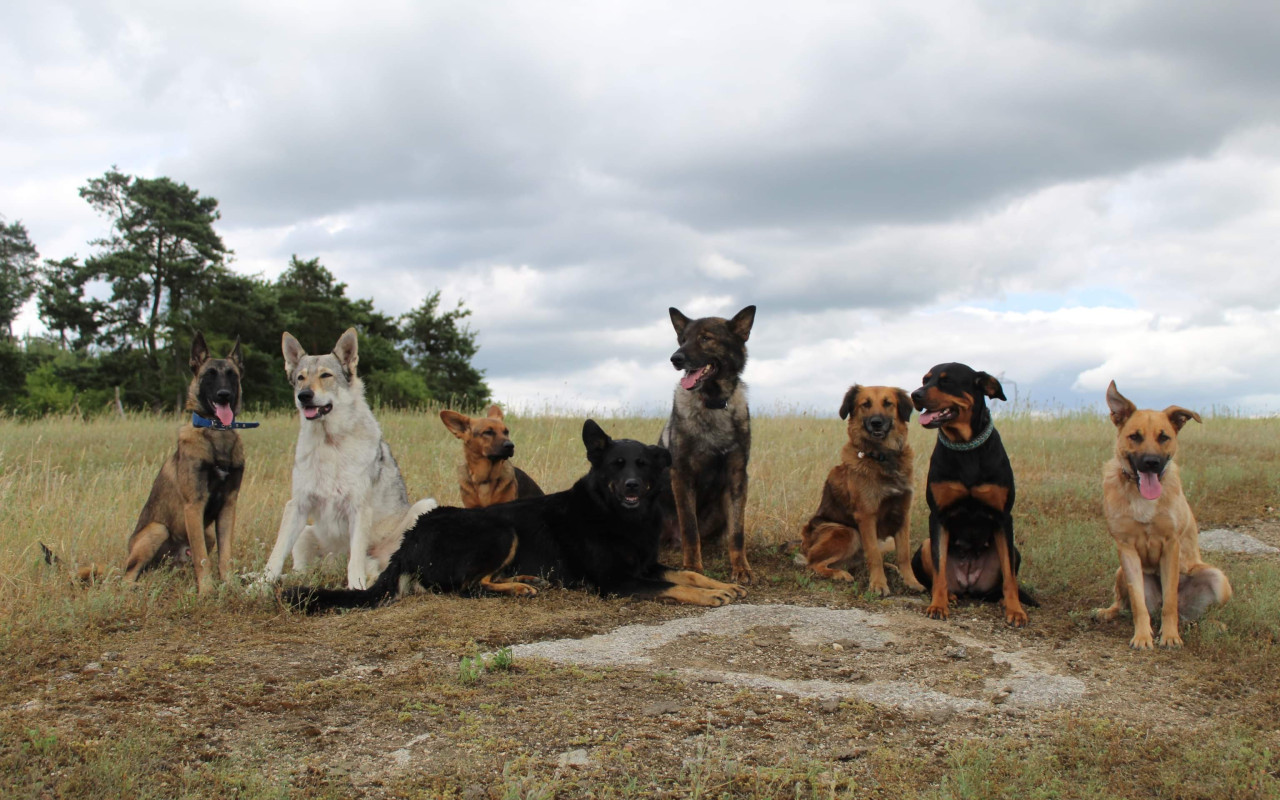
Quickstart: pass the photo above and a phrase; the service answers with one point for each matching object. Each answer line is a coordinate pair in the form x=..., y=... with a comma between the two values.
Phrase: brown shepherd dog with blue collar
x=194, y=496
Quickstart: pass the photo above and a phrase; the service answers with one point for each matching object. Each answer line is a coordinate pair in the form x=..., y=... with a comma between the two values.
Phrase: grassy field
x=150, y=691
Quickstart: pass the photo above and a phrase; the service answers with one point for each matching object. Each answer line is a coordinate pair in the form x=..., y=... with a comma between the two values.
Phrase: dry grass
x=218, y=696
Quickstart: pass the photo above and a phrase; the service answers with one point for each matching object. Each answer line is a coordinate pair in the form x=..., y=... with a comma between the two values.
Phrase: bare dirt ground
x=803, y=685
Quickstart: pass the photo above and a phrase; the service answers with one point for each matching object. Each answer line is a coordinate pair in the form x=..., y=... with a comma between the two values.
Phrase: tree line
x=121, y=321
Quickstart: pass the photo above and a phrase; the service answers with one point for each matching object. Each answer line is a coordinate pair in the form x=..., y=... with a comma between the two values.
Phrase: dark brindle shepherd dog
x=970, y=550
x=709, y=436
x=195, y=493
x=601, y=535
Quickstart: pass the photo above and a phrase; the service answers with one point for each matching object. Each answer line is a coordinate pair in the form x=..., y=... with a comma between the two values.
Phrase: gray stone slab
x=1221, y=540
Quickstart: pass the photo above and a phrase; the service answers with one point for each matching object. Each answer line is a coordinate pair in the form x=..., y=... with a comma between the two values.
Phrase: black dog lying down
x=600, y=535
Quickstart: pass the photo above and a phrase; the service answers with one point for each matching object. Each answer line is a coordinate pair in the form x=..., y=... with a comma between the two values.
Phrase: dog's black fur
x=709, y=435
x=970, y=495
x=600, y=535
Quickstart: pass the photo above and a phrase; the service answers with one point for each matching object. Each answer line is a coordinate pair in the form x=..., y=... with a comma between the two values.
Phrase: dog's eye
x=704, y=337
x=1136, y=438
x=488, y=433
x=619, y=462
x=326, y=374
x=640, y=462
x=867, y=404
x=506, y=432
x=1162, y=438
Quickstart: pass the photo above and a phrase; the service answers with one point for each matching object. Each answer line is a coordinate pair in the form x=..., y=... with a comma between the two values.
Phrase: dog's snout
x=678, y=359
x=917, y=397
x=632, y=484
x=306, y=395
x=508, y=448
x=877, y=423
x=1150, y=463
x=223, y=396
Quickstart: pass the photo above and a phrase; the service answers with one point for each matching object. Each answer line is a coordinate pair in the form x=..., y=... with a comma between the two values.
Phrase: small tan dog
x=867, y=497
x=1153, y=526
x=487, y=476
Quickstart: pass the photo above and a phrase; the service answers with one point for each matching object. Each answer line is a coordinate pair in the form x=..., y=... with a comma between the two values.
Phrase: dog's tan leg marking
x=902, y=545
x=686, y=578
x=146, y=543
x=871, y=552
x=735, y=504
x=687, y=514
x=941, y=597
x=508, y=587
x=1014, y=613
x=225, y=527
x=1131, y=565
x=193, y=514
x=695, y=596
x=1169, y=574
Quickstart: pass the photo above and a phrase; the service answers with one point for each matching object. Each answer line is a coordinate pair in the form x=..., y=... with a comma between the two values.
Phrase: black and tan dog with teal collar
x=192, y=505
x=970, y=549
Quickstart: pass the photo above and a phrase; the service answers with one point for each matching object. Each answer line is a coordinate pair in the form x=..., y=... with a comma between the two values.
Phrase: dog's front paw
x=357, y=582
x=915, y=586
x=841, y=575
x=743, y=575
x=1016, y=618
x=1170, y=638
x=1141, y=641
x=935, y=611
x=879, y=586
x=737, y=590
x=1105, y=614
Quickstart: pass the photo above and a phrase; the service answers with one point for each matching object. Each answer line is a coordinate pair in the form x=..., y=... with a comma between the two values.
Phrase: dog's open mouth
x=224, y=414
x=630, y=498
x=1149, y=485
x=932, y=419
x=693, y=378
x=316, y=412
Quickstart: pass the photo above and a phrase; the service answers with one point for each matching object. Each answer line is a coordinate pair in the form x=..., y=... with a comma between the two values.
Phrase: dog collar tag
x=200, y=422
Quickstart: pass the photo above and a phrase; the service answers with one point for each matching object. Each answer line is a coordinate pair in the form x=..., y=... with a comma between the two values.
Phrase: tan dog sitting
x=867, y=496
x=1153, y=526
x=487, y=477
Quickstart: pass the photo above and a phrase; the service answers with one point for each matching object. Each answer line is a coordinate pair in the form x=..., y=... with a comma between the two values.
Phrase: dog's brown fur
x=1157, y=539
x=487, y=477
x=195, y=494
x=867, y=497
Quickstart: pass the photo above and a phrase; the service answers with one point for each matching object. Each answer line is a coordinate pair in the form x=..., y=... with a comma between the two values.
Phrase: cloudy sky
x=1060, y=194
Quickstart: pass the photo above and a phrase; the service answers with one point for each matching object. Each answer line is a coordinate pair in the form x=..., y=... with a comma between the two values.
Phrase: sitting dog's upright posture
x=709, y=436
x=1155, y=532
x=348, y=496
x=194, y=496
x=867, y=496
x=601, y=535
x=487, y=475
x=970, y=550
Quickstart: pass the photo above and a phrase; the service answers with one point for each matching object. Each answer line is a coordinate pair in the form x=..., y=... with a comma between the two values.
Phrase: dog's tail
x=312, y=600
x=89, y=574
x=1027, y=598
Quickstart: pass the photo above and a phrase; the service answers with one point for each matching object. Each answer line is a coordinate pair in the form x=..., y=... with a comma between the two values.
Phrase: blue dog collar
x=972, y=444
x=200, y=422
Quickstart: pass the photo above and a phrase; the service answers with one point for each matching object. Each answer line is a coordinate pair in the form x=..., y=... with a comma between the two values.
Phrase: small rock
x=837, y=646
x=660, y=708
x=829, y=706
x=941, y=714
x=92, y=667
x=711, y=679
x=574, y=758
x=110, y=656
x=958, y=652
x=1000, y=697
x=850, y=753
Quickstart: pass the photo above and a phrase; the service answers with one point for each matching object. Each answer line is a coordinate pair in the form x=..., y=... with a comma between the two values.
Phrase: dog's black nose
x=508, y=448
x=678, y=359
x=632, y=484
x=1150, y=464
x=306, y=395
x=877, y=424
x=917, y=396
x=223, y=396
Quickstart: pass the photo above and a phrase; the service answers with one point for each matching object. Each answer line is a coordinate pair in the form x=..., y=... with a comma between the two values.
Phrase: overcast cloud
x=1061, y=194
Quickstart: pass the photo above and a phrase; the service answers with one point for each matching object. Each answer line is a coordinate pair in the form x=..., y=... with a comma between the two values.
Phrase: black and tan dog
x=487, y=475
x=970, y=491
x=867, y=496
x=601, y=535
x=194, y=496
x=709, y=436
x=1155, y=532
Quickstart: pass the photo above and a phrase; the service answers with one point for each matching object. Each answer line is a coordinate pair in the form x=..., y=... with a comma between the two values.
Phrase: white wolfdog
x=347, y=490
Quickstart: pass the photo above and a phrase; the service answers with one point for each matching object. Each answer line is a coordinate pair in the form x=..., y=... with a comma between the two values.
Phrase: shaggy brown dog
x=1154, y=529
x=867, y=497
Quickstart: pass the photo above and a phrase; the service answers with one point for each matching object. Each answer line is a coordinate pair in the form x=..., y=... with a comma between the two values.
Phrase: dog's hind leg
x=143, y=547
x=1201, y=587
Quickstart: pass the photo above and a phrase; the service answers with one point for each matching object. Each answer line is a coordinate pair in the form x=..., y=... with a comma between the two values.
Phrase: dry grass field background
x=150, y=691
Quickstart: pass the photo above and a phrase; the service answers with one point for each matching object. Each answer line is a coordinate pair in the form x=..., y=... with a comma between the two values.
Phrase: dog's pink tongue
x=929, y=416
x=1149, y=485
x=690, y=379
x=225, y=414
x=311, y=412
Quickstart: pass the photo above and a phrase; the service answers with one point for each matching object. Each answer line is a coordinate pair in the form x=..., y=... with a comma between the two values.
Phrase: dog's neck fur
x=689, y=405
x=481, y=470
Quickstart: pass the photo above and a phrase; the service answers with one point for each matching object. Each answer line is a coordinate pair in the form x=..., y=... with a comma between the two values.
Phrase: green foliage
x=17, y=271
x=440, y=347
x=471, y=668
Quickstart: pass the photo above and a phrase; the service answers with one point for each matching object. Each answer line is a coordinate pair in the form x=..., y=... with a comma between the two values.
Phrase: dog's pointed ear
x=1121, y=407
x=236, y=355
x=458, y=424
x=742, y=322
x=199, y=352
x=988, y=385
x=293, y=352
x=660, y=454
x=1179, y=416
x=850, y=400
x=678, y=321
x=348, y=350
x=494, y=412
x=905, y=406
x=596, y=440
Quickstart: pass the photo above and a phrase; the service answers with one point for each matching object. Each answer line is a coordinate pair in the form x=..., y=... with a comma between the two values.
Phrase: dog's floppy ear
x=596, y=440
x=236, y=355
x=1121, y=408
x=1179, y=416
x=458, y=424
x=494, y=412
x=742, y=322
x=989, y=386
x=293, y=352
x=347, y=350
x=199, y=352
x=850, y=400
x=678, y=321
x=660, y=454
x=904, y=405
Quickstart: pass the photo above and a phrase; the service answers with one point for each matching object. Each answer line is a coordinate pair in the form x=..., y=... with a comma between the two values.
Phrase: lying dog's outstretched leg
x=513, y=587
x=682, y=577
